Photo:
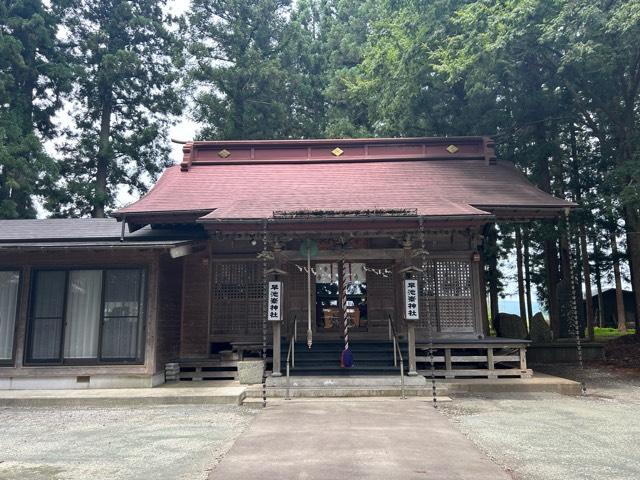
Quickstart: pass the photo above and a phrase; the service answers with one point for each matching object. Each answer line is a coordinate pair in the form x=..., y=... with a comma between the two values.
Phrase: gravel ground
x=158, y=442
x=549, y=436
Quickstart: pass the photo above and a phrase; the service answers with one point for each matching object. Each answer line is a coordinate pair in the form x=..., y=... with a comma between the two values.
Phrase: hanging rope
x=345, y=314
x=423, y=254
x=265, y=312
x=573, y=307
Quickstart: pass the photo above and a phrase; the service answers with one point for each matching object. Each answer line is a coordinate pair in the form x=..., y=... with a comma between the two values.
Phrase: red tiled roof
x=469, y=183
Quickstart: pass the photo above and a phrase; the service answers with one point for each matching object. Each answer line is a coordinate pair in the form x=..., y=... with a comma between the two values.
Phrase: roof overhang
x=137, y=220
x=176, y=248
x=343, y=224
x=525, y=213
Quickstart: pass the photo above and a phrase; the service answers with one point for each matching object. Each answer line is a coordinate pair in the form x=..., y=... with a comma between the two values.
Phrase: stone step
x=350, y=386
x=368, y=370
x=333, y=357
x=339, y=346
x=310, y=392
x=358, y=362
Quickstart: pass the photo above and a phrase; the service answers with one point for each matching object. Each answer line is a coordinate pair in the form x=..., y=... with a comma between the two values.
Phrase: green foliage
x=240, y=86
x=125, y=58
x=32, y=75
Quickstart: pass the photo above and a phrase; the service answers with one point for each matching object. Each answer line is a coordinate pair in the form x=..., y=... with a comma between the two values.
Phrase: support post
x=523, y=358
x=490, y=363
x=411, y=343
x=448, y=365
x=276, y=326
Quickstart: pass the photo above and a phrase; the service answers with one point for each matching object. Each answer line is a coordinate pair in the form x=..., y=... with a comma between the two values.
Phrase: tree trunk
x=632, y=227
x=104, y=155
x=551, y=267
x=564, y=306
x=586, y=271
x=543, y=172
x=620, y=312
x=597, y=270
x=527, y=274
x=521, y=292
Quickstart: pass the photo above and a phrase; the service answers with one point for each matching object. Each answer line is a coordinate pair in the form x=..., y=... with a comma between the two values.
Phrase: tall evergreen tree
x=126, y=59
x=241, y=89
x=32, y=75
x=589, y=53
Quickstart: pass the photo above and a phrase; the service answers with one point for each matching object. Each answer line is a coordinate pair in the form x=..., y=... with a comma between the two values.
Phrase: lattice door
x=455, y=303
x=428, y=304
x=380, y=296
x=238, y=296
x=448, y=296
x=295, y=295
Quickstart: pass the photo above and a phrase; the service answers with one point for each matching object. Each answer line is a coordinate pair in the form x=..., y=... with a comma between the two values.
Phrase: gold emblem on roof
x=452, y=149
x=224, y=153
x=336, y=152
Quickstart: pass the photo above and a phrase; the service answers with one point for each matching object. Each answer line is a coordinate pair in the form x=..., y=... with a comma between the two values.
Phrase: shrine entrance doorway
x=333, y=296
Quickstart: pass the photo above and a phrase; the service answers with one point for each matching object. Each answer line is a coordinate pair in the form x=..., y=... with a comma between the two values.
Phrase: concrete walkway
x=354, y=439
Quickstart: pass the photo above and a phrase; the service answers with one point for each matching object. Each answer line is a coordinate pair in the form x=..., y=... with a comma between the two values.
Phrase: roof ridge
x=250, y=152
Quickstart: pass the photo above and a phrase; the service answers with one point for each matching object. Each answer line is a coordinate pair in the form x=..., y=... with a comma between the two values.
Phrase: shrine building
x=283, y=245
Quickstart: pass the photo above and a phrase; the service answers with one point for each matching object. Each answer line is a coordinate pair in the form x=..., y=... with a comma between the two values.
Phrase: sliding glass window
x=86, y=316
x=9, y=287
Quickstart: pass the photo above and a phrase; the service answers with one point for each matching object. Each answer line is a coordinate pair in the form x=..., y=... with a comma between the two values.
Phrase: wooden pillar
x=448, y=364
x=491, y=364
x=276, y=327
x=411, y=342
x=523, y=358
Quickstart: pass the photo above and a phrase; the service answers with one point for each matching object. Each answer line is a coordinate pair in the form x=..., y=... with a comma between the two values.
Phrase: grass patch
x=606, y=334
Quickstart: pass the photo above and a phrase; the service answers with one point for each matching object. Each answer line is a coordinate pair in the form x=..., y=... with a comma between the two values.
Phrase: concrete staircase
x=369, y=358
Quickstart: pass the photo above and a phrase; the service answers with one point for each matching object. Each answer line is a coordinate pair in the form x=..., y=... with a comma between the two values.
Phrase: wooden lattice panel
x=447, y=298
x=428, y=305
x=296, y=298
x=238, y=297
x=380, y=295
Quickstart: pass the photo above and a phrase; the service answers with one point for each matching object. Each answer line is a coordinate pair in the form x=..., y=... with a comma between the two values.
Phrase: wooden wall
x=169, y=311
x=194, y=335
